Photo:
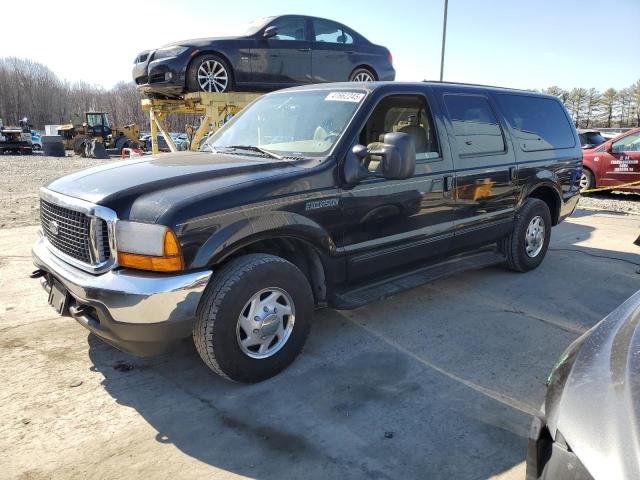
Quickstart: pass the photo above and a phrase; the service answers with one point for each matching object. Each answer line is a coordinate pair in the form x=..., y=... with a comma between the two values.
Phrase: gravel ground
x=24, y=175
x=612, y=202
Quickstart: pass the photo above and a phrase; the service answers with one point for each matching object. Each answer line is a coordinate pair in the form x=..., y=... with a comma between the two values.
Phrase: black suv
x=325, y=195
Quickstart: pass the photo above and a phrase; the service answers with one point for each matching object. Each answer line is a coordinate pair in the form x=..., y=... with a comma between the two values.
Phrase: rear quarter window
x=538, y=123
x=475, y=126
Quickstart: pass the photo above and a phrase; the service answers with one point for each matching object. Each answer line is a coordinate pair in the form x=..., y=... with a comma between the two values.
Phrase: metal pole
x=444, y=37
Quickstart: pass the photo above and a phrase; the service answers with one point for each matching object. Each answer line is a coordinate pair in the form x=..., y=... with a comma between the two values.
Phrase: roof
x=372, y=86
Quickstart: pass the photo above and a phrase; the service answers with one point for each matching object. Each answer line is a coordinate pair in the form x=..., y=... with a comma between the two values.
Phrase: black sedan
x=589, y=425
x=273, y=53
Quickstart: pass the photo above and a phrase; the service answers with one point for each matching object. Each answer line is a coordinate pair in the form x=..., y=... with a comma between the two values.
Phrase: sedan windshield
x=255, y=25
x=289, y=124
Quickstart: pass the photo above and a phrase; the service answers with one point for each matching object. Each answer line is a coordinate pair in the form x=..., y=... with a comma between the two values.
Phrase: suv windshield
x=290, y=124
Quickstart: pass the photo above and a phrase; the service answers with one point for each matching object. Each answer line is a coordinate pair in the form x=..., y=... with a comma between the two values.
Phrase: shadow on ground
x=438, y=382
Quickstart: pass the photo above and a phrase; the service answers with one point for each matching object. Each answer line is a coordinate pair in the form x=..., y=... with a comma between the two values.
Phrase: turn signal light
x=170, y=261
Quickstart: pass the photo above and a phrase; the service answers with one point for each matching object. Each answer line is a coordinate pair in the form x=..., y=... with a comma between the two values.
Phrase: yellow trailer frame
x=214, y=108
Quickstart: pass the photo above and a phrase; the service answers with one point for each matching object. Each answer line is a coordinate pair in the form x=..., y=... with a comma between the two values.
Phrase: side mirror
x=270, y=32
x=398, y=154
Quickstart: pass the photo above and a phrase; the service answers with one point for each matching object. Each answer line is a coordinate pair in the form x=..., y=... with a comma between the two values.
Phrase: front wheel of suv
x=209, y=73
x=527, y=244
x=253, y=318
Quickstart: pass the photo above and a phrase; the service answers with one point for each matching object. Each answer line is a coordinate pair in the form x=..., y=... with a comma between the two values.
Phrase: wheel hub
x=265, y=323
x=534, y=237
x=268, y=325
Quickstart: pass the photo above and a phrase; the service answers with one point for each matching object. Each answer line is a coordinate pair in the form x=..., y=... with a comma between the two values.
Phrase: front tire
x=254, y=318
x=209, y=73
x=587, y=181
x=527, y=244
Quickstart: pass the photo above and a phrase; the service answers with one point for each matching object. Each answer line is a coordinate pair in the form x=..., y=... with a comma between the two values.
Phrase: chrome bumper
x=130, y=296
x=143, y=313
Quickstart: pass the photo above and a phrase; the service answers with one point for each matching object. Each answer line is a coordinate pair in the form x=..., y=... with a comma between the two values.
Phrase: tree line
x=30, y=89
x=590, y=108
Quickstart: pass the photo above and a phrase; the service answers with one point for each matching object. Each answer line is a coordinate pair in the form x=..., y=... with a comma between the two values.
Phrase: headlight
x=148, y=246
x=173, y=51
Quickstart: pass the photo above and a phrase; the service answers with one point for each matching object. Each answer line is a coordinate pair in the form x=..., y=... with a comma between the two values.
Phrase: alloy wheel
x=363, y=77
x=213, y=76
x=265, y=323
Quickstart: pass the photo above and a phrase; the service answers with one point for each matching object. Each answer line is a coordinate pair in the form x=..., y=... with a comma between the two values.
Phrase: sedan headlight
x=166, y=52
x=148, y=246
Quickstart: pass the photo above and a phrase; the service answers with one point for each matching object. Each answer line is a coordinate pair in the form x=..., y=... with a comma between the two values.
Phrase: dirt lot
x=438, y=382
x=21, y=178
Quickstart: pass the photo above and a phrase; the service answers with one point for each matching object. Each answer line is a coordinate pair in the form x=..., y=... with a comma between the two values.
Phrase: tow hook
x=38, y=273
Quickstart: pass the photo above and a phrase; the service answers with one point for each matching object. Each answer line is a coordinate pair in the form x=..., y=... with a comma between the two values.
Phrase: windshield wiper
x=253, y=148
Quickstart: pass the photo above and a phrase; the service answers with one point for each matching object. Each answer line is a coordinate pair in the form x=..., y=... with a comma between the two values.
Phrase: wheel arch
x=290, y=236
x=551, y=197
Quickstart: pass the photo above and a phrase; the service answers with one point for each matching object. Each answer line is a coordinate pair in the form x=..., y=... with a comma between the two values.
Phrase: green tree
x=609, y=103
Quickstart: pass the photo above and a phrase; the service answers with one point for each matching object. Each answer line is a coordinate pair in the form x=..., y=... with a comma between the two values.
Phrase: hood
x=197, y=171
x=598, y=412
x=201, y=42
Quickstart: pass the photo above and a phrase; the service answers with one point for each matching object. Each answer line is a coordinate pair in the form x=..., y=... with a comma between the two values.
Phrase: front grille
x=73, y=232
x=156, y=77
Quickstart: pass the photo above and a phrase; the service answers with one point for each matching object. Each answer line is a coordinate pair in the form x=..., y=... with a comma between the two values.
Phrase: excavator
x=96, y=134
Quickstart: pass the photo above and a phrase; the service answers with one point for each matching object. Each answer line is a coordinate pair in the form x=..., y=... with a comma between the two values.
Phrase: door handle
x=304, y=49
x=350, y=52
x=447, y=186
x=513, y=174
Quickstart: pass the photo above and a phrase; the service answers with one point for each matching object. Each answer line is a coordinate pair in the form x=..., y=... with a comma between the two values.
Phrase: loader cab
x=98, y=124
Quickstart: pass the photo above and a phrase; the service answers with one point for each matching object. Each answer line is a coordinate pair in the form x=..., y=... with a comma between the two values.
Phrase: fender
x=270, y=225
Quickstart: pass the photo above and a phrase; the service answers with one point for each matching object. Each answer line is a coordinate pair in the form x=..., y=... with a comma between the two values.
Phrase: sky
x=516, y=43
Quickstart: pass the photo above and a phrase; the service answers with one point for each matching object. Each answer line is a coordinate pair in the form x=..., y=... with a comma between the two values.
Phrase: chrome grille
x=69, y=231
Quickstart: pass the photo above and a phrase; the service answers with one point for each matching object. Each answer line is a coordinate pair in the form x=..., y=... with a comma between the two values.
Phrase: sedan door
x=284, y=59
x=621, y=163
x=332, y=51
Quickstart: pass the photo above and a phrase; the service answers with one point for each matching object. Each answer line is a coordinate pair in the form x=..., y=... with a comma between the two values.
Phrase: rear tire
x=527, y=244
x=209, y=73
x=362, y=75
x=234, y=299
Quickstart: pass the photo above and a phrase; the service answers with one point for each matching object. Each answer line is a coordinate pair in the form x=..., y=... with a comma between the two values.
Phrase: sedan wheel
x=213, y=76
x=362, y=75
x=586, y=180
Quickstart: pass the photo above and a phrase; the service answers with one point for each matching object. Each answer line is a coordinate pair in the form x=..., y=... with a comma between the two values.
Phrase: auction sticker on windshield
x=345, y=97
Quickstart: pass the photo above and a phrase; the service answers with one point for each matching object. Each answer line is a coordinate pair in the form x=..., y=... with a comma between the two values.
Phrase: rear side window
x=475, y=125
x=539, y=123
x=330, y=32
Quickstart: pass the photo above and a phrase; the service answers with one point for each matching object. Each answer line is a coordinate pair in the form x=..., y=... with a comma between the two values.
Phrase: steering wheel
x=331, y=137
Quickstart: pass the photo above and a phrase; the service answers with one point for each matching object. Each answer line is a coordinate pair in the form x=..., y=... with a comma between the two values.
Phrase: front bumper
x=165, y=76
x=551, y=460
x=142, y=313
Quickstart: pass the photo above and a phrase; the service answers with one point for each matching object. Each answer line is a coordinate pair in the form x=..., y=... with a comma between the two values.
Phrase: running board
x=382, y=289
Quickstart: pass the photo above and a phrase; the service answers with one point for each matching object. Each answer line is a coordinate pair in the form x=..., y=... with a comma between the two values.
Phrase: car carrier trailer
x=215, y=109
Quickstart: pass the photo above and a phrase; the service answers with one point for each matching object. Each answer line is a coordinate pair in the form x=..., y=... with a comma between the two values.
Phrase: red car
x=615, y=162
